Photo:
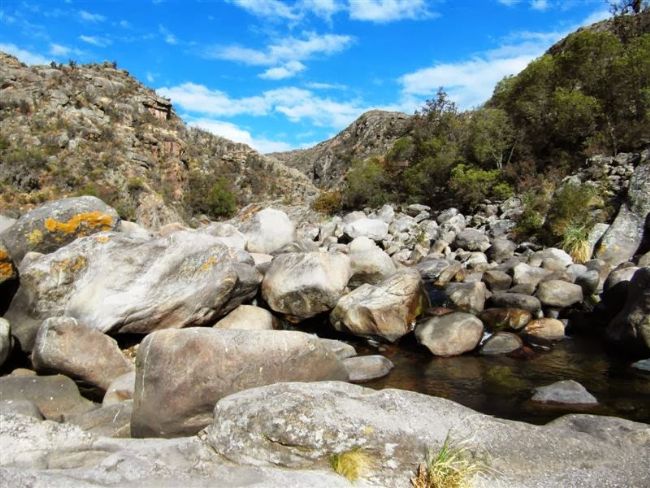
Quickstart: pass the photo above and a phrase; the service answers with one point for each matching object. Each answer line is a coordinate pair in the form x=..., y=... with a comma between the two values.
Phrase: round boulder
x=558, y=293
x=451, y=334
x=567, y=392
x=551, y=329
x=247, y=317
x=501, y=343
x=268, y=230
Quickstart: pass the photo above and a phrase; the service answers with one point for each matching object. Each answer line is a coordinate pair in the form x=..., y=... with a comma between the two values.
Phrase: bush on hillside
x=210, y=195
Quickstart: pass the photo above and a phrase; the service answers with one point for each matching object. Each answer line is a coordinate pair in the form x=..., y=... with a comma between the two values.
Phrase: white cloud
x=284, y=50
x=508, y=3
x=315, y=85
x=150, y=77
x=23, y=55
x=381, y=11
x=167, y=35
x=321, y=8
x=470, y=82
x=288, y=70
x=90, y=17
x=296, y=104
x=237, y=134
x=59, y=50
x=96, y=40
x=539, y=5
x=267, y=8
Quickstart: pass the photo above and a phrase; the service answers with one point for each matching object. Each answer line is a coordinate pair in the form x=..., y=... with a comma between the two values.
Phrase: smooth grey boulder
x=619, y=275
x=631, y=326
x=501, y=250
x=6, y=342
x=451, y=334
x=588, y=281
x=134, y=230
x=120, y=389
x=472, y=240
x=56, y=224
x=374, y=229
x=114, y=283
x=20, y=407
x=300, y=425
x=247, y=317
x=547, y=328
x=538, y=257
x=64, y=346
x=623, y=237
x=227, y=234
x=341, y=350
x=300, y=245
x=301, y=285
x=189, y=370
x=516, y=300
x=558, y=293
x=268, y=230
x=565, y=392
x=526, y=277
x=366, y=368
x=496, y=319
x=370, y=264
x=48, y=454
x=387, y=310
x=55, y=396
x=468, y=297
x=109, y=421
x=501, y=343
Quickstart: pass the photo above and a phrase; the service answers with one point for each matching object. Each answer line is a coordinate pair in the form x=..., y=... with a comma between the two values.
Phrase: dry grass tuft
x=453, y=466
x=576, y=243
x=352, y=464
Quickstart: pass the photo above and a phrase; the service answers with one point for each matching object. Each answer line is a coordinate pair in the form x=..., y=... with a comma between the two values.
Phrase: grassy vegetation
x=352, y=464
x=328, y=202
x=453, y=466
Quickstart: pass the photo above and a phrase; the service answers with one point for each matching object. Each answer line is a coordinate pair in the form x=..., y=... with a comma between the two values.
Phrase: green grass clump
x=352, y=464
x=453, y=466
x=576, y=243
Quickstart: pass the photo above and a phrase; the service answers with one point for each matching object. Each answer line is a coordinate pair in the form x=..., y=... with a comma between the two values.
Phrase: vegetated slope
x=94, y=129
x=373, y=133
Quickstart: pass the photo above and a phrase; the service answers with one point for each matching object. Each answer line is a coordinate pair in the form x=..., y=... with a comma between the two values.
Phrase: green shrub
x=135, y=184
x=366, y=185
x=473, y=185
x=328, y=202
x=530, y=222
x=571, y=208
x=210, y=195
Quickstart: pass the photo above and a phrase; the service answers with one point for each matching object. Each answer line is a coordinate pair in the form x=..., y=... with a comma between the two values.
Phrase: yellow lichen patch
x=6, y=271
x=102, y=239
x=3, y=255
x=35, y=237
x=209, y=264
x=81, y=223
x=72, y=265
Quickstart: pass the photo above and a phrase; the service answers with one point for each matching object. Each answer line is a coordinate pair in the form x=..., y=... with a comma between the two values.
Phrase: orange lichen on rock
x=209, y=263
x=6, y=271
x=72, y=265
x=81, y=224
x=35, y=237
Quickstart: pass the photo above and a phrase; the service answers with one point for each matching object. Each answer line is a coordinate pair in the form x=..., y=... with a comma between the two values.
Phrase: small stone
x=565, y=392
x=366, y=368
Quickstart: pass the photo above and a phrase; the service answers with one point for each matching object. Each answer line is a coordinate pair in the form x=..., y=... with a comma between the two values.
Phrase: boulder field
x=200, y=343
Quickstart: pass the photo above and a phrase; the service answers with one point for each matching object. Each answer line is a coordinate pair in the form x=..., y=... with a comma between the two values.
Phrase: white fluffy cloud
x=288, y=70
x=237, y=134
x=96, y=40
x=267, y=8
x=90, y=17
x=23, y=55
x=296, y=104
x=382, y=11
x=539, y=4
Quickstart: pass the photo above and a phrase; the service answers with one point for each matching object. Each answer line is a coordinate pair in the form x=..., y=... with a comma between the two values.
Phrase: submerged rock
x=501, y=343
x=565, y=392
x=366, y=368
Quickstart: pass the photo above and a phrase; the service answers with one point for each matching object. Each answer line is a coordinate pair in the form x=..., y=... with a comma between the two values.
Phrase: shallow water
x=502, y=386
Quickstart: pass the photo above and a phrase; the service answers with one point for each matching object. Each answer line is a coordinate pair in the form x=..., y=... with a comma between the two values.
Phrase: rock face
x=55, y=396
x=64, y=346
x=114, y=283
x=189, y=370
x=268, y=230
x=451, y=334
x=55, y=224
x=623, y=237
x=247, y=317
x=565, y=392
x=632, y=324
x=387, y=310
x=301, y=425
x=371, y=134
x=302, y=285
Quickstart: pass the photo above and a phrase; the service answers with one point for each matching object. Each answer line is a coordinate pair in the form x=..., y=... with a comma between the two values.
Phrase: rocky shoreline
x=221, y=354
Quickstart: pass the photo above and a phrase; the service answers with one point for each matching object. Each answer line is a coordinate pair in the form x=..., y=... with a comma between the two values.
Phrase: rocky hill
x=94, y=129
x=371, y=134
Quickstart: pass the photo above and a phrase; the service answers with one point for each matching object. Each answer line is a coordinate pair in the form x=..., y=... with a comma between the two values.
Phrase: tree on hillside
x=624, y=7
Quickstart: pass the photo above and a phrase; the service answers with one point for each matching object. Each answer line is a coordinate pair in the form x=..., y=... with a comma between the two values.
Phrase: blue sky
x=279, y=75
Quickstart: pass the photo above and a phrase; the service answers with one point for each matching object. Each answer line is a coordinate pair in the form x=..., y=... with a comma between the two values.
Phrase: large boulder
x=55, y=224
x=120, y=389
x=631, y=326
x=268, y=230
x=300, y=426
x=469, y=297
x=187, y=371
x=526, y=278
x=55, y=396
x=516, y=300
x=374, y=229
x=301, y=285
x=370, y=263
x=623, y=238
x=114, y=283
x=386, y=310
x=549, y=329
x=496, y=319
x=366, y=368
x=451, y=334
x=64, y=346
x=247, y=317
x=501, y=343
x=558, y=293
x=472, y=240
